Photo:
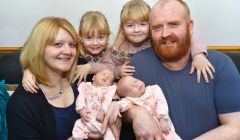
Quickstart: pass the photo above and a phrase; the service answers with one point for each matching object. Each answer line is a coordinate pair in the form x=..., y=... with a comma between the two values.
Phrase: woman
x=50, y=53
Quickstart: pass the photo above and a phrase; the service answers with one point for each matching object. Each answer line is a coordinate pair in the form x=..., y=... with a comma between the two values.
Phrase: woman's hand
x=100, y=116
x=202, y=66
x=82, y=72
x=29, y=81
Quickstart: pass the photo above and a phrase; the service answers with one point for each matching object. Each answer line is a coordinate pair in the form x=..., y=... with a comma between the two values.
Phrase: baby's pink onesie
x=154, y=101
x=95, y=99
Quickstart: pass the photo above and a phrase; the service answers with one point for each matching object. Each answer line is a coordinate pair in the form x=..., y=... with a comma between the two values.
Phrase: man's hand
x=164, y=125
x=144, y=126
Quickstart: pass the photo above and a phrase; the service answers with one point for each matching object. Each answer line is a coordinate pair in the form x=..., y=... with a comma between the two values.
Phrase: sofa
x=11, y=69
x=11, y=72
x=235, y=56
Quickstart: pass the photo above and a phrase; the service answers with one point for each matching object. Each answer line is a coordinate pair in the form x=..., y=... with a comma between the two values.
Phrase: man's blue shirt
x=193, y=107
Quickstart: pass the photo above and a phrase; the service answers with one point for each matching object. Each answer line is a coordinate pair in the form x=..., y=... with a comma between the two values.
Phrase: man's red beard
x=172, y=53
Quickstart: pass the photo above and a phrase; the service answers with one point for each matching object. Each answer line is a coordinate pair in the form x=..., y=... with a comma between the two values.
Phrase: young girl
x=133, y=36
x=94, y=32
x=94, y=53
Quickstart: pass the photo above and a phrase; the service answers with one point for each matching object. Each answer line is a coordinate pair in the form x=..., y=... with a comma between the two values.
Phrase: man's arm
x=229, y=130
x=226, y=100
x=144, y=126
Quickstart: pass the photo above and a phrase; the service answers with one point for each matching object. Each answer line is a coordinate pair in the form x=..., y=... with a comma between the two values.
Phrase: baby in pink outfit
x=134, y=92
x=92, y=104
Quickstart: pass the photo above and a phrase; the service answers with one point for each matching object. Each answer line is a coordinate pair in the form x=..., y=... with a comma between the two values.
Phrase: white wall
x=217, y=22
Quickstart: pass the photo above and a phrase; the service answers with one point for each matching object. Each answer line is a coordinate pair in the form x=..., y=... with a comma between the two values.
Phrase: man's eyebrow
x=174, y=21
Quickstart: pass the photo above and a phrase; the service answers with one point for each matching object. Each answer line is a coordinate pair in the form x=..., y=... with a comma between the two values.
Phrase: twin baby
x=95, y=98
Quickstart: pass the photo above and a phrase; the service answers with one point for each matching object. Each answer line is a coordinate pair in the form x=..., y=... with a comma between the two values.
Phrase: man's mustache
x=170, y=38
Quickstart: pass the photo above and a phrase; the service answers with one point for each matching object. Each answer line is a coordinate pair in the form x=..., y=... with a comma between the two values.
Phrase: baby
x=134, y=92
x=92, y=103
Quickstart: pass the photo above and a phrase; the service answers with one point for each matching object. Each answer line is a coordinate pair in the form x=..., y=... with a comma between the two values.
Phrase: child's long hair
x=134, y=10
x=89, y=21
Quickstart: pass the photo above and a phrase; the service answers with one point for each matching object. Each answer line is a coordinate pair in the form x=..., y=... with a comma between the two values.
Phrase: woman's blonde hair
x=134, y=10
x=43, y=34
x=91, y=20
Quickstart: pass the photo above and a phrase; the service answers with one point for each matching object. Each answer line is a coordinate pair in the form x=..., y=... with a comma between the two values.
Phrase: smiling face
x=170, y=31
x=136, y=32
x=131, y=87
x=95, y=43
x=59, y=57
x=103, y=78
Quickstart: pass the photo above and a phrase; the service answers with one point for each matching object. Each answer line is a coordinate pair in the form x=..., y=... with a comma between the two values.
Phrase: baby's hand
x=85, y=115
x=115, y=113
x=100, y=116
x=164, y=126
x=29, y=81
x=125, y=70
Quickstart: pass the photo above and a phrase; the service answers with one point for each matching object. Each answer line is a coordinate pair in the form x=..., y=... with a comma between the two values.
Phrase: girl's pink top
x=101, y=61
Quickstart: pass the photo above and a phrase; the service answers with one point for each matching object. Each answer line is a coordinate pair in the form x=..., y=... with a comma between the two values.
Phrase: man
x=198, y=111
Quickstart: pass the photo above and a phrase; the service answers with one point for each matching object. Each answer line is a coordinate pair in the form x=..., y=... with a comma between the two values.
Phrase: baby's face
x=103, y=78
x=132, y=86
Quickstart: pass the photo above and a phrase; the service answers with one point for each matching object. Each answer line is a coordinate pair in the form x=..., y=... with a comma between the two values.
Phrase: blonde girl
x=94, y=32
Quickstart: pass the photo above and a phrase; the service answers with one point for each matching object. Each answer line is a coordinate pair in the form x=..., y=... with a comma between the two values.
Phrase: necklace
x=57, y=95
